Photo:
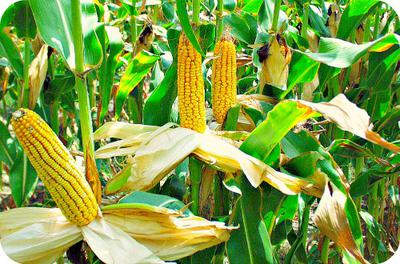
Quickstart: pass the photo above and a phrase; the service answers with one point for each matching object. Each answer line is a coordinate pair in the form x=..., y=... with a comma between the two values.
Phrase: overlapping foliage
x=303, y=168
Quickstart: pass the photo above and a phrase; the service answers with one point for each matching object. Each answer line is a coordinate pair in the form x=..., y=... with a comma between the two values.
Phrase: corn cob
x=223, y=78
x=56, y=167
x=191, y=93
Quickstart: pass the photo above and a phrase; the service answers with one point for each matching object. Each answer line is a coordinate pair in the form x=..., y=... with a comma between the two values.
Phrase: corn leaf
x=10, y=51
x=23, y=179
x=251, y=242
x=110, y=39
x=20, y=15
x=187, y=28
x=341, y=54
x=8, y=146
x=56, y=30
x=134, y=73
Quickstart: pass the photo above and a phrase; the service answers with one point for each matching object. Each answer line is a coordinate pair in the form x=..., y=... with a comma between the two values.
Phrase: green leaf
x=355, y=12
x=20, y=16
x=5, y=5
x=266, y=14
x=309, y=158
x=252, y=6
x=133, y=75
x=229, y=5
x=243, y=27
x=56, y=30
x=168, y=10
x=8, y=147
x=59, y=85
x=185, y=23
x=109, y=64
x=269, y=133
x=207, y=36
x=353, y=15
x=302, y=70
x=341, y=54
x=23, y=180
x=372, y=225
x=317, y=22
x=250, y=243
x=158, y=107
x=10, y=51
x=381, y=68
x=155, y=200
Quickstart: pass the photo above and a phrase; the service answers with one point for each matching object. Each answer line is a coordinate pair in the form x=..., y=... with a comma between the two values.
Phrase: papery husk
x=313, y=40
x=275, y=67
x=37, y=75
x=113, y=245
x=36, y=235
x=165, y=232
x=41, y=235
x=165, y=150
x=334, y=19
x=309, y=88
x=330, y=218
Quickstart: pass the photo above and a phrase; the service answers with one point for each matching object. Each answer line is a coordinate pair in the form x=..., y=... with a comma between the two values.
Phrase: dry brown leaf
x=331, y=220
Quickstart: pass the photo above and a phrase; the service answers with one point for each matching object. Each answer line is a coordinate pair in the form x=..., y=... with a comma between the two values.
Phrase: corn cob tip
x=18, y=114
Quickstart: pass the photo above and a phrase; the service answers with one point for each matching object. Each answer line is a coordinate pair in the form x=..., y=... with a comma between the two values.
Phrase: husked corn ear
x=191, y=94
x=56, y=167
x=223, y=79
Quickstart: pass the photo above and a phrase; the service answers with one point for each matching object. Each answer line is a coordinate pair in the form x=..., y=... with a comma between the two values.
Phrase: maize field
x=199, y=131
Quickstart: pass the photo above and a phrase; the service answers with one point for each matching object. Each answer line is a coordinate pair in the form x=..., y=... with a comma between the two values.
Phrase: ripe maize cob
x=56, y=167
x=223, y=78
x=191, y=93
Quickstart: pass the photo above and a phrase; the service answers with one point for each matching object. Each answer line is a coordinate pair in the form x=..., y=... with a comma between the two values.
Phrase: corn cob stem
x=191, y=93
x=56, y=167
x=220, y=25
x=83, y=98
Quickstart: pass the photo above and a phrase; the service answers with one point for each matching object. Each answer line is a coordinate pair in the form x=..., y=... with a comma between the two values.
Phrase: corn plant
x=253, y=131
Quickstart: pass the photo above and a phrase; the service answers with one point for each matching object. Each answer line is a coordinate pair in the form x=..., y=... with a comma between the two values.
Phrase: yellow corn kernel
x=191, y=95
x=55, y=167
x=223, y=79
